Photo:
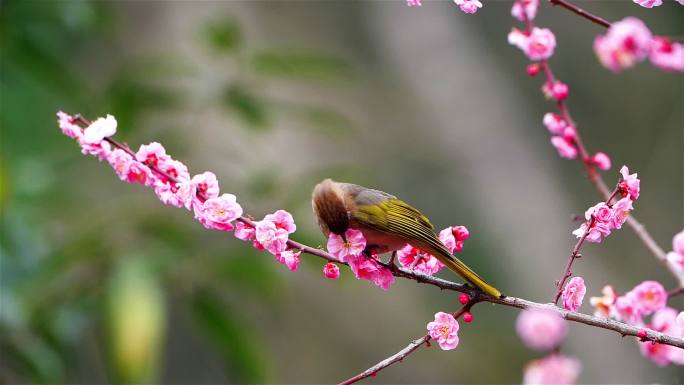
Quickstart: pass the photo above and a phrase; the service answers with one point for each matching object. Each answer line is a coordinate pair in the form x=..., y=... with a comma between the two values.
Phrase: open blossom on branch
x=273, y=231
x=444, y=329
x=468, y=6
x=556, y=369
x=541, y=329
x=525, y=10
x=556, y=90
x=626, y=43
x=573, y=294
x=352, y=244
x=537, y=44
x=629, y=186
x=219, y=213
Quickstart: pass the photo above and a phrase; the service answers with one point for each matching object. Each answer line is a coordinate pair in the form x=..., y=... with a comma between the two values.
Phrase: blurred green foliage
x=75, y=282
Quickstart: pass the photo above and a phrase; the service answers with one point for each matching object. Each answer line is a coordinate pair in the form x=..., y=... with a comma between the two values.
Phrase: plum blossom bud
x=444, y=329
x=331, y=271
x=573, y=294
x=601, y=160
x=533, y=69
x=461, y=233
x=468, y=6
x=565, y=148
x=649, y=3
x=556, y=90
x=554, y=123
x=541, y=329
x=525, y=10
x=627, y=42
x=667, y=55
x=555, y=369
x=463, y=298
x=467, y=317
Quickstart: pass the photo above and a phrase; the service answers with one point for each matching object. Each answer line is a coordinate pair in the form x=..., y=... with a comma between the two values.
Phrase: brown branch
x=476, y=295
x=400, y=355
x=675, y=292
x=581, y=12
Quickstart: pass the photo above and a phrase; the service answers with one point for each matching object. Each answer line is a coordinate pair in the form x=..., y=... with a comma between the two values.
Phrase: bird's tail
x=437, y=248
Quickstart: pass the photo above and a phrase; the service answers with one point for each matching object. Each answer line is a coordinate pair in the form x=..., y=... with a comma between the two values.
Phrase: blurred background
x=100, y=283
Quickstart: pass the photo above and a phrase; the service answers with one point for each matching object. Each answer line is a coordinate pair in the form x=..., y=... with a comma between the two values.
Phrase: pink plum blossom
x=556, y=369
x=444, y=329
x=128, y=169
x=413, y=3
x=412, y=257
x=468, y=6
x=665, y=321
x=573, y=294
x=604, y=305
x=627, y=42
x=205, y=184
x=368, y=268
x=244, y=231
x=68, y=126
x=453, y=237
x=627, y=310
x=538, y=44
x=99, y=129
x=219, y=213
x=621, y=211
x=270, y=237
x=667, y=55
x=566, y=149
x=289, y=258
x=151, y=154
x=282, y=220
x=340, y=248
x=554, y=123
x=675, y=258
x=461, y=233
x=629, y=184
x=601, y=160
x=649, y=296
x=525, y=10
x=541, y=329
x=331, y=271
x=649, y=3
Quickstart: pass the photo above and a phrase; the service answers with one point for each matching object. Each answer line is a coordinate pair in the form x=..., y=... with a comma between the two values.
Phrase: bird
x=387, y=222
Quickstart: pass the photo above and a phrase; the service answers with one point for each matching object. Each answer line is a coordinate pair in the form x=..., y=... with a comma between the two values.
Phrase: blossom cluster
x=170, y=179
x=604, y=217
x=648, y=298
x=417, y=260
x=629, y=42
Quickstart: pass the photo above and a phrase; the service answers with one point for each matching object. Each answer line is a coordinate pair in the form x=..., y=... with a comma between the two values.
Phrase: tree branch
x=581, y=12
x=476, y=295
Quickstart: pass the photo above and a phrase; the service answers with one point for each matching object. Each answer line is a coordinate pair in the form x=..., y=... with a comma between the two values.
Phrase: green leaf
x=303, y=65
x=234, y=341
x=249, y=108
x=223, y=35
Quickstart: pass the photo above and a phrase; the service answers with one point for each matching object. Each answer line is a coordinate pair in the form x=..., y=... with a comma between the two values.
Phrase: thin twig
x=400, y=355
x=579, y=11
x=477, y=296
x=575, y=251
x=675, y=292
